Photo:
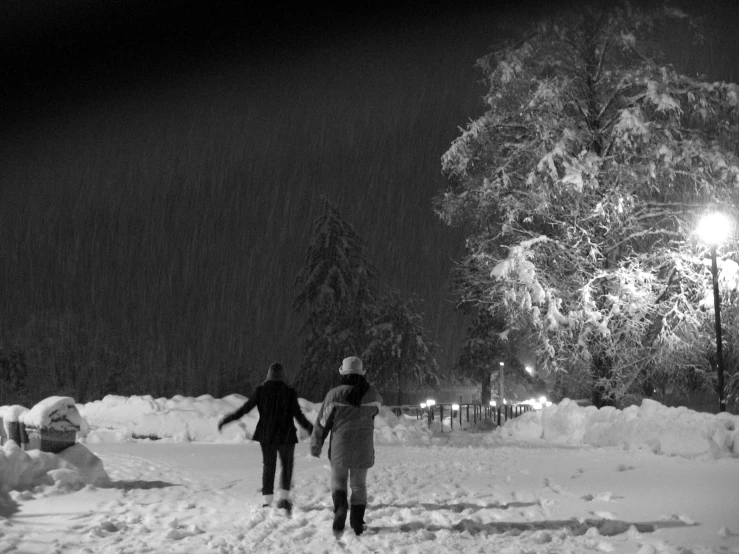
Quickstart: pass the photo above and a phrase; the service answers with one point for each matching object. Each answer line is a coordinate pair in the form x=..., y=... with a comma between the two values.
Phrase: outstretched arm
x=241, y=412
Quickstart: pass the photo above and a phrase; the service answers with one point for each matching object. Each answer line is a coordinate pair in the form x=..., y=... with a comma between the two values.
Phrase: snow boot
x=341, y=506
x=284, y=501
x=356, y=518
x=267, y=500
x=285, y=505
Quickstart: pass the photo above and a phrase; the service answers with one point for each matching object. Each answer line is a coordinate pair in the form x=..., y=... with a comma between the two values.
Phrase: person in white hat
x=348, y=413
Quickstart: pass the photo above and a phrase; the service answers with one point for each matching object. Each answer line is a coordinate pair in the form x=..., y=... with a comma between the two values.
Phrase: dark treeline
x=151, y=233
x=151, y=238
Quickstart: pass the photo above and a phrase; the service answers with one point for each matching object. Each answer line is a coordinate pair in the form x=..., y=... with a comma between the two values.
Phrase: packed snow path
x=198, y=498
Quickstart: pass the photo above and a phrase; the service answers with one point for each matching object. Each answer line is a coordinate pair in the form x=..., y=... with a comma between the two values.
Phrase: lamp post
x=713, y=229
x=501, y=383
x=430, y=405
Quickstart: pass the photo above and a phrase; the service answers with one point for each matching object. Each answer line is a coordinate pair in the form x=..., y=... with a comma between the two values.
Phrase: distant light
x=529, y=370
x=547, y=404
x=714, y=228
x=455, y=407
x=502, y=364
x=505, y=401
x=536, y=405
x=423, y=404
x=492, y=402
x=543, y=399
x=430, y=402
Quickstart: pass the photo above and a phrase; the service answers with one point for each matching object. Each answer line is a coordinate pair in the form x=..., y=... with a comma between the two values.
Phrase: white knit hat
x=351, y=365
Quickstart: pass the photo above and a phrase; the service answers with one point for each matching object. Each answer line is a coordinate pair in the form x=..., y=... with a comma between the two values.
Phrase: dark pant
x=269, y=461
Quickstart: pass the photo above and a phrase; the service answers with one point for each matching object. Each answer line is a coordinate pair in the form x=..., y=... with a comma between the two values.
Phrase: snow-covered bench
x=52, y=424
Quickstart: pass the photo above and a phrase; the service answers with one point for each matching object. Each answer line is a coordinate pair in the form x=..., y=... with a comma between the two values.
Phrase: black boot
x=341, y=505
x=356, y=518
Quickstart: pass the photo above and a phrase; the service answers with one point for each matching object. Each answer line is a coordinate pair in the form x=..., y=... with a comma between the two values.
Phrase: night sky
x=162, y=163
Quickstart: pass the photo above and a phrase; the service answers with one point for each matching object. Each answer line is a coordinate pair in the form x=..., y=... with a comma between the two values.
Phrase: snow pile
x=120, y=418
x=391, y=429
x=71, y=469
x=672, y=431
x=183, y=419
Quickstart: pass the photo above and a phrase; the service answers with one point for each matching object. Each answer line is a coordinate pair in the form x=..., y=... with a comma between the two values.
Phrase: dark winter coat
x=278, y=405
x=352, y=427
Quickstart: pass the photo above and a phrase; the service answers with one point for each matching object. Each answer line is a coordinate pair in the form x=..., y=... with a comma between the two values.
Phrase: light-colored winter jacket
x=352, y=428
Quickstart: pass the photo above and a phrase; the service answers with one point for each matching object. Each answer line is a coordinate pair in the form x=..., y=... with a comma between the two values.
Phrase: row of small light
x=536, y=404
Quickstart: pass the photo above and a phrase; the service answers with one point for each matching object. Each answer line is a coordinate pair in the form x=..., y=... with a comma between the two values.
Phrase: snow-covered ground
x=644, y=480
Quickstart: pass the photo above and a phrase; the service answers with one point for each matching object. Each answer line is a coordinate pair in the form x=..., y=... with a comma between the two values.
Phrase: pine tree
x=580, y=188
x=483, y=350
x=399, y=353
x=336, y=293
x=13, y=377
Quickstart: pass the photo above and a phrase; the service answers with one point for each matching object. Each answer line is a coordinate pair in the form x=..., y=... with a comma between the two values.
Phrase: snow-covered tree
x=399, y=354
x=580, y=188
x=336, y=293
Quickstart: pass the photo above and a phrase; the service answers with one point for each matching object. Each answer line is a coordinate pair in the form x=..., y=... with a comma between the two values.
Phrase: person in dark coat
x=348, y=413
x=278, y=405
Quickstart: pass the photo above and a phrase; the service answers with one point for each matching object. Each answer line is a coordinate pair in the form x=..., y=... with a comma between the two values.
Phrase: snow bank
x=121, y=418
x=664, y=430
x=181, y=419
x=391, y=429
x=71, y=469
x=671, y=431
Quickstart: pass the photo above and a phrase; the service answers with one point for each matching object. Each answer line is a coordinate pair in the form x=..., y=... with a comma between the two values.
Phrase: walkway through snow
x=198, y=498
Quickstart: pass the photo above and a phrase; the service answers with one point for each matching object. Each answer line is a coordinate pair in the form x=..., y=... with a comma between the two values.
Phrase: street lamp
x=430, y=402
x=501, y=383
x=713, y=230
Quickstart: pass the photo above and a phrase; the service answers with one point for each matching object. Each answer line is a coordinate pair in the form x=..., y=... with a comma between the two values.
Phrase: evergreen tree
x=483, y=350
x=336, y=293
x=399, y=353
x=580, y=188
x=13, y=377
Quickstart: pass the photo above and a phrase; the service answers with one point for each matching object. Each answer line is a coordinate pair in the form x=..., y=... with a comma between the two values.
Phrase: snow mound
x=182, y=419
x=661, y=429
x=72, y=468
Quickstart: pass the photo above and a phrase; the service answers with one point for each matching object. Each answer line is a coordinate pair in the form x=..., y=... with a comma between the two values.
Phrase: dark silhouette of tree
x=13, y=377
x=483, y=350
x=335, y=291
x=400, y=354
